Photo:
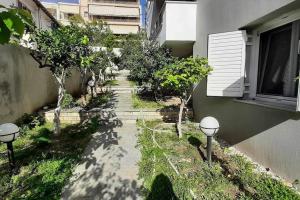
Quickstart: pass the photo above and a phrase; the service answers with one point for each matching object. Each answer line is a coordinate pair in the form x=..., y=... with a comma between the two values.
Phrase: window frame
x=291, y=17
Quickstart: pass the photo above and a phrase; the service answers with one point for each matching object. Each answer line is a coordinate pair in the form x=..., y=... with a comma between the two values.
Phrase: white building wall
x=180, y=27
x=270, y=136
x=40, y=19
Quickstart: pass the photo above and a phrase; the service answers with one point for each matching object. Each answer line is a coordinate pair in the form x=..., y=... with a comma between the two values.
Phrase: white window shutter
x=227, y=57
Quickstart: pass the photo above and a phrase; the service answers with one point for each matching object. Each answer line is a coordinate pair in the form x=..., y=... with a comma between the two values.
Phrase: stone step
x=122, y=88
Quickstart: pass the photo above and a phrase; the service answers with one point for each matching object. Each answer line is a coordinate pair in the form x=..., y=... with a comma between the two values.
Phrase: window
x=276, y=71
x=264, y=72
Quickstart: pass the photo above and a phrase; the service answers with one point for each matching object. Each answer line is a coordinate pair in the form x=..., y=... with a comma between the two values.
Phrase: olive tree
x=89, y=60
x=98, y=67
x=180, y=77
x=58, y=50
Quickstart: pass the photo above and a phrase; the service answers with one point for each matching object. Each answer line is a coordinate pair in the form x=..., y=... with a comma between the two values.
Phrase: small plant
x=30, y=121
x=68, y=101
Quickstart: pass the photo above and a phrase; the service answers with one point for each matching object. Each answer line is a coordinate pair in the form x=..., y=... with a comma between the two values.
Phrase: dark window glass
x=274, y=72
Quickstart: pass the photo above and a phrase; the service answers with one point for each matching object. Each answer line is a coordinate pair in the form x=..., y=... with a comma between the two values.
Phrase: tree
x=58, y=50
x=90, y=60
x=143, y=57
x=13, y=23
x=180, y=77
x=99, y=64
x=83, y=52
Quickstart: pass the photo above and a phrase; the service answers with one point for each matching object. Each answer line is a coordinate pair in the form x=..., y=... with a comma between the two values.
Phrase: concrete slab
x=109, y=169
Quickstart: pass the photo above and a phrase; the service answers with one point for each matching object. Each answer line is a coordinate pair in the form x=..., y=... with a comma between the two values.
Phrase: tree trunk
x=186, y=107
x=61, y=93
x=93, y=89
x=83, y=85
x=83, y=80
x=179, y=129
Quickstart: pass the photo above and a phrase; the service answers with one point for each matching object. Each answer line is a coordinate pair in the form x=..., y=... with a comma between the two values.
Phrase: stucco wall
x=270, y=136
x=24, y=87
x=186, y=20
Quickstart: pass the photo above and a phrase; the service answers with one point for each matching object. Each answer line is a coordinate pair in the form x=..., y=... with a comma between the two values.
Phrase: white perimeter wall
x=24, y=87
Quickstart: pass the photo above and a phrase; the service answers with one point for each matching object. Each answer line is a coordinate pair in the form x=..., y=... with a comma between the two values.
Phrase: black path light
x=209, y=126
x=8, y=133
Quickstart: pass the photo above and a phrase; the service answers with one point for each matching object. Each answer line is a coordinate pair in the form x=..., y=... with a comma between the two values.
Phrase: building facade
x=122, y=16
x=41, y=16
x=253, y=47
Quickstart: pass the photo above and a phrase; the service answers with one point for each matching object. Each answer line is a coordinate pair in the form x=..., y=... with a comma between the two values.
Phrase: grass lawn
x=97, y=101
x=140, y=103
x=230, y=177
x=44, y=161
x=111, y=83
x=132, y=83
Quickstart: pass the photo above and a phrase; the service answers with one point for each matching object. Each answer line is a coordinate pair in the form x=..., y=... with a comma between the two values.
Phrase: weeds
x=143, y=103
x=44, y=161
x=230, y=177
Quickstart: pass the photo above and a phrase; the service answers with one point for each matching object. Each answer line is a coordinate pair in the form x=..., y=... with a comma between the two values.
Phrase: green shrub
x=143, y=57
x=68, y=101
x=29, y=121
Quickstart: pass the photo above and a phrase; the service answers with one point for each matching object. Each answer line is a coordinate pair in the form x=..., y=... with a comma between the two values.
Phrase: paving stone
x=108, y=169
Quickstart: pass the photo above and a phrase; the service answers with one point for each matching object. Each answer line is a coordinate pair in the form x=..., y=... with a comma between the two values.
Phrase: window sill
x=273, y=105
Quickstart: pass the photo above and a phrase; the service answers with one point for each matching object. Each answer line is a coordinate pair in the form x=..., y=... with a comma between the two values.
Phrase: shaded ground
x=108, y=169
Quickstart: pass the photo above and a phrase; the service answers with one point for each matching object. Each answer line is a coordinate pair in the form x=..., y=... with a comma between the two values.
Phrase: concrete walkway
x=109, y=165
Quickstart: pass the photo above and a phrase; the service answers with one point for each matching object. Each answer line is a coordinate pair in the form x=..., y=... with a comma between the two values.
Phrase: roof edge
x=40, y=5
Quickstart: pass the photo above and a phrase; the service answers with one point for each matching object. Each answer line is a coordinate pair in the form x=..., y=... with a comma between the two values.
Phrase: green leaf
x=85, y=40
x=25, y=16
x=4, y=33
x=13, y=22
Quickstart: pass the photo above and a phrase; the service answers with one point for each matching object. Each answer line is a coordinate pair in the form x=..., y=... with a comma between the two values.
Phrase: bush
x=30, y=121
x=68, y=101
x=143, y=57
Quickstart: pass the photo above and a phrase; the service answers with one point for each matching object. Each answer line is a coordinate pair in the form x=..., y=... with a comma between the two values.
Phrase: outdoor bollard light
x=8, y=133
x=209, y=126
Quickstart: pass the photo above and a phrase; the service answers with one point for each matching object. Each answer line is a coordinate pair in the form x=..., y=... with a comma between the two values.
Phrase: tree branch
x=41, y=65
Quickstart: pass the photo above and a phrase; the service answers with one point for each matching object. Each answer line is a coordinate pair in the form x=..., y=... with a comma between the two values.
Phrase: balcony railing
x=115, y=19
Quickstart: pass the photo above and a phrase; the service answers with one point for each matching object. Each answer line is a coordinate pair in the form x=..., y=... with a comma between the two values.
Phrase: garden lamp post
x=209, y=126
x=8, y=133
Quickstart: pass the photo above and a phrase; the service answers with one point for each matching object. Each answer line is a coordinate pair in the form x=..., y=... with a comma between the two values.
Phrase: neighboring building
x=62, y=10
x=173, y=23
x=253, y=47
x=40, y=15
x=122, y=16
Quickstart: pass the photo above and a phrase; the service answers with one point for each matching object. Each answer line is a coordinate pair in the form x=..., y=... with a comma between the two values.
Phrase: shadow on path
x=108, y=169
x=162, y=189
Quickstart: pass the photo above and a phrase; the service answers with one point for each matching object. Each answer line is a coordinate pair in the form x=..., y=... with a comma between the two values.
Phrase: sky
x=143, y=5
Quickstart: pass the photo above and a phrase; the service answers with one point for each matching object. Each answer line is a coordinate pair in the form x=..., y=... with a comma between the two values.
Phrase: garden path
x=109, y=165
